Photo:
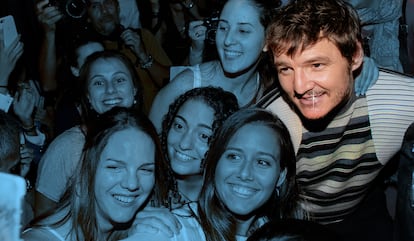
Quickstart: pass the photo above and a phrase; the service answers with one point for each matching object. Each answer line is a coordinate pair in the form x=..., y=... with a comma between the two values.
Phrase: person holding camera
x=102, y=22
x=170, y=21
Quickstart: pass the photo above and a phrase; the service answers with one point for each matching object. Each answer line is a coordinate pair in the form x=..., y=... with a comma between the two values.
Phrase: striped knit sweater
x=336, y=166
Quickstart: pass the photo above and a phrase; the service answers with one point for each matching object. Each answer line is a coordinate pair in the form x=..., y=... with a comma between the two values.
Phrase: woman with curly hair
x=249, y=179
x=186, y=136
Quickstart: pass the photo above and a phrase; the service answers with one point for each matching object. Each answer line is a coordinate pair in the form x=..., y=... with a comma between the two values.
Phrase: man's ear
x=358, y=57
x=282, y=178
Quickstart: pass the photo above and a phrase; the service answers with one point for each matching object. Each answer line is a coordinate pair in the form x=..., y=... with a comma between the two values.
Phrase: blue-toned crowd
x=220, y=120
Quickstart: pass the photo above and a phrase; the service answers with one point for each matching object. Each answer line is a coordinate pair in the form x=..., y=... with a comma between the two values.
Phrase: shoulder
x=39, y=234
x=390, y=77
x=182, y=82
x=391, y=111
x=74, y=136
x=74, y=133
x=64, y=150
x=393, y=90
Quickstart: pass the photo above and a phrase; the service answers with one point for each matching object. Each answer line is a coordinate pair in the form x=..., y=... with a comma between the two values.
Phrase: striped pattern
x=335, y=167
x=391, y=111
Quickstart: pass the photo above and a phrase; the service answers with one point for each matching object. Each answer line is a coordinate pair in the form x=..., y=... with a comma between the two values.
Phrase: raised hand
x=8, y=57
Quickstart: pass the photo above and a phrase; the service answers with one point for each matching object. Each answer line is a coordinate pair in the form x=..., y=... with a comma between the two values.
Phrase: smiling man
x=342, y=141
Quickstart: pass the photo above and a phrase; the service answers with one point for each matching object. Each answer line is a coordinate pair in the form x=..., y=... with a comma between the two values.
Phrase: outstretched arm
x=48, y=16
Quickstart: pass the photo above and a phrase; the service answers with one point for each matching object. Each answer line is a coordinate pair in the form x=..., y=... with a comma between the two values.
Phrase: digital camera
x=71, y=8
x=211, y=24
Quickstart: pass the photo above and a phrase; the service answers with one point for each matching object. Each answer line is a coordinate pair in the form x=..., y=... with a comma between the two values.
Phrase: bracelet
x=31, y=128
x=147, y=64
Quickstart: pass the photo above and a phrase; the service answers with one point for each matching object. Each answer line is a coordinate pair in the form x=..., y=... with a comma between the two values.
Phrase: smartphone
x=8, y=26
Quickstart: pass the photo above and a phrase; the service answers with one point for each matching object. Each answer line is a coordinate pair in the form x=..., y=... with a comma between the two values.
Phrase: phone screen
x=8, y=26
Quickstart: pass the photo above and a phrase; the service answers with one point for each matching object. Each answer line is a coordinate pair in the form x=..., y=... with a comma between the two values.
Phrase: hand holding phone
x=8, y=28
x=11, y=48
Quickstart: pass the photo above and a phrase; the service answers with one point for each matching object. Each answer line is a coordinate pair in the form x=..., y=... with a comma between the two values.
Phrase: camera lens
x=75, y=8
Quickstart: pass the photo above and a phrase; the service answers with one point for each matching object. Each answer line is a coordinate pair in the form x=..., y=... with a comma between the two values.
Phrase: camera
x=71, y=8
x=211, y=23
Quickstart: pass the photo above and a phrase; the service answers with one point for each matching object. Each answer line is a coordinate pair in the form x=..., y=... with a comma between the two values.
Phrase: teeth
x=245, y=191
x=183, y=156
x=124, y=199
x=112, y=102
x=232, y=53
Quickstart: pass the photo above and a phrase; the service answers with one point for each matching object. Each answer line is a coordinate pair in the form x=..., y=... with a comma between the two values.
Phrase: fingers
x=15, y=50
x=159, y=218
x=26, y=155
x=131, y=39
x=26, y=158
x=24, y=102
x=48, y=15
x=41, y=5
x=153, y=225
x=35, y=92
x=194, y=24
x=197, y=31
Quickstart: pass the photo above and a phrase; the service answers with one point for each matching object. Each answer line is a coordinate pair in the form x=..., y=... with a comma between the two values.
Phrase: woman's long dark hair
x=78, y=202
x=88, y=114
x=215, y=218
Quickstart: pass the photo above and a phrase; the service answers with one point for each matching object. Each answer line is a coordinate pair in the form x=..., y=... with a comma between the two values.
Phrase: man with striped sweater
x=342, y=140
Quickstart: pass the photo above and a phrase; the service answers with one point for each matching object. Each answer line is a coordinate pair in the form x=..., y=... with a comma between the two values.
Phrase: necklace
x=178, y=199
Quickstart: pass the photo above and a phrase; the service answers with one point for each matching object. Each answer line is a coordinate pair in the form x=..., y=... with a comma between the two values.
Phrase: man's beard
x=319, y=124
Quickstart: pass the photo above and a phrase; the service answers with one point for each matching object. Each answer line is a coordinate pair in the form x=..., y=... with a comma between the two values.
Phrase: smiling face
x=248, y=171
x=124, y=176
x=110, y=84
x=240, y=37
x=317, y=79
x=188, y=137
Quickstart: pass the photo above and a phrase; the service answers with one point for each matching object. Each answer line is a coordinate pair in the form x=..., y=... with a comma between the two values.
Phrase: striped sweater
x=336, y=166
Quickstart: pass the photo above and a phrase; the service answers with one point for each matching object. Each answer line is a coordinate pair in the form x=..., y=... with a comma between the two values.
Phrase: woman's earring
x=278, y=191
x=135, y=101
